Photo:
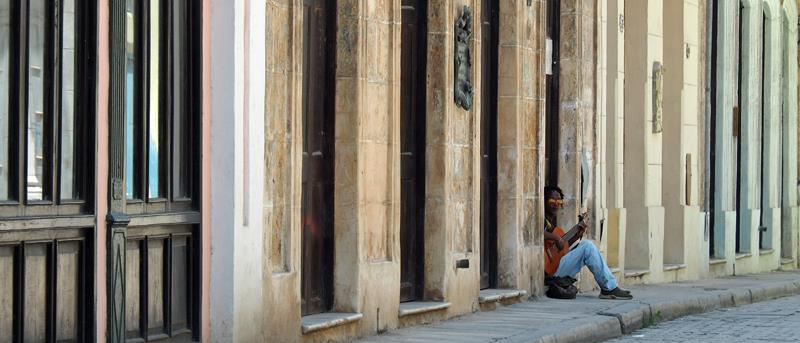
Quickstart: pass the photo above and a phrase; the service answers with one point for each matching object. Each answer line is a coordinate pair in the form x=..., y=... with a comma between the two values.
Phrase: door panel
x=158, y=279
x=318, y=158
x=43, y=286
x=7, y=256
x=412, y=149
x=155, y=285
x=489, y=53
x=68, y=261
x=35, y=292
x=132, y=289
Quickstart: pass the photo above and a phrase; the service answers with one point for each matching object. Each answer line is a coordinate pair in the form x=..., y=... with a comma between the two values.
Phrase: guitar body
x=552, y=254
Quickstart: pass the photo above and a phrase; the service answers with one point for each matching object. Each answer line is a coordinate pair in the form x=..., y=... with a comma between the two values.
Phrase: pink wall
x=101, y=168
x=206, y=172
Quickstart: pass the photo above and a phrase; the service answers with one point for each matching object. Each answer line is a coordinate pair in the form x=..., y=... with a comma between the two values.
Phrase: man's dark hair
x=548, y=189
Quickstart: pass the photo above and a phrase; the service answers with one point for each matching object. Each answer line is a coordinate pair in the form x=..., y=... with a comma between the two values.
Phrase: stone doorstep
x=715, y=261
x=636, y=272
x=497, y=295
x=674, y=266
x=785, y=261
x=322, y=321
x=419, y=307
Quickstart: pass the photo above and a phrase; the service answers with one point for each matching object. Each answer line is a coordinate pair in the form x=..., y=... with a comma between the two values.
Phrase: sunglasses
x=555, y=202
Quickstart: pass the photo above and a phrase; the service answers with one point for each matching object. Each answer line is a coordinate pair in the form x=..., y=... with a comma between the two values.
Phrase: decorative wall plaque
x=463, y=91
x=658, y=95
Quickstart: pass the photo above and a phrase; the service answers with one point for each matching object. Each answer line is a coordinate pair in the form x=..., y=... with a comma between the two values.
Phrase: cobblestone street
x=770, y=321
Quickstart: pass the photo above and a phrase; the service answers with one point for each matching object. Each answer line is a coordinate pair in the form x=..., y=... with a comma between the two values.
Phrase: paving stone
x=770, y=321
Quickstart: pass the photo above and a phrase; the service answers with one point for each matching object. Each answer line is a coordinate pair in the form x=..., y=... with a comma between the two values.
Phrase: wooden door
x=318, y=158
x=412, y=149
x=154, y=220
x=489, y=54
x=552, y=91
x=711, y=122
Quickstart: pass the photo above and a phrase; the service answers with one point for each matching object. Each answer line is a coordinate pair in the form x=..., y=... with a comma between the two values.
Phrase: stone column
x=520, y=141
x=681, y=111
x=576, y=108
x=750, y=125
x=643, y=151
x=724, y=162
x=452, y=163
x=615, y=125
x=282, y=160
x=789, y=211
x=771, y=159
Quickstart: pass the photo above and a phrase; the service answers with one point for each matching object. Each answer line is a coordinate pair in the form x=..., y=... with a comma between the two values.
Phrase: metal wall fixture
x=463, y=91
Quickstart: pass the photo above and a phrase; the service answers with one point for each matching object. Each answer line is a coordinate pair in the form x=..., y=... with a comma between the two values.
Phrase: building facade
x=322, y=170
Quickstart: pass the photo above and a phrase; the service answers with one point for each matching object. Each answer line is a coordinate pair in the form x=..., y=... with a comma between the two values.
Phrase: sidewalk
x=589, y=318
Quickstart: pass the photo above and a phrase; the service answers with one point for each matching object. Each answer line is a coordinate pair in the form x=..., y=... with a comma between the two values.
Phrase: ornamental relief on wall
x=463, y=91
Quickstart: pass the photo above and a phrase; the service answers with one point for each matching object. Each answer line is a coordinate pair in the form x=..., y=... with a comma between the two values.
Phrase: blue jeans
x=586, y=254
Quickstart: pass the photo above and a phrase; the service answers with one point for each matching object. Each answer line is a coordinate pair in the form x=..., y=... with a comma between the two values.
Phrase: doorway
x=489, y=56
x=319, y=17
x=552, y=92
x=412, y=149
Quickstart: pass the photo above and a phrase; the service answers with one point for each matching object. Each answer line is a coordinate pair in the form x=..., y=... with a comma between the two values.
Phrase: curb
x=633, y=316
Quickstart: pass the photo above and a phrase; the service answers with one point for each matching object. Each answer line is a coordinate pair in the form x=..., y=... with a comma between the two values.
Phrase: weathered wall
x=367, y=209
x=640, y=185
x=520, y=145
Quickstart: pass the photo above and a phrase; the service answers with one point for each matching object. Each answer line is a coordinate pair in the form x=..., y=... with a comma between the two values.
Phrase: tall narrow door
x=318, y=162
x=552, y=92
x=489, y=44
x=412, y=146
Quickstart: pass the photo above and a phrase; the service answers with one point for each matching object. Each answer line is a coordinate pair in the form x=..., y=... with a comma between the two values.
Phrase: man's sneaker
x=616, y=293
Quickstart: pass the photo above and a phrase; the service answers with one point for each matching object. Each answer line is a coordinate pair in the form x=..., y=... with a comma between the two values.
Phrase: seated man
x=585, y=253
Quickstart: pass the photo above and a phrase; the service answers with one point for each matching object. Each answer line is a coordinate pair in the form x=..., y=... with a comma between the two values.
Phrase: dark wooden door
x=489, y=38
x=318, y=149
x=412, y=149
x=551, y=89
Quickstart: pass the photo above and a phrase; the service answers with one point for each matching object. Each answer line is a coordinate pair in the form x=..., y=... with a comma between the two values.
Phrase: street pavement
x=769, y=321
x=589, y=319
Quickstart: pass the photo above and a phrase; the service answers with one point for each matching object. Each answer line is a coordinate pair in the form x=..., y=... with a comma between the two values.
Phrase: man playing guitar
x=561, y=260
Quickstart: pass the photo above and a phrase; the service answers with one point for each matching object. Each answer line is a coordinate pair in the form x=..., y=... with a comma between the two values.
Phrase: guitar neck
x=571, y=235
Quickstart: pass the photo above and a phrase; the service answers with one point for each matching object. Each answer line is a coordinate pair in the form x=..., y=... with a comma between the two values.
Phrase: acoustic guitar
x=552, y=254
